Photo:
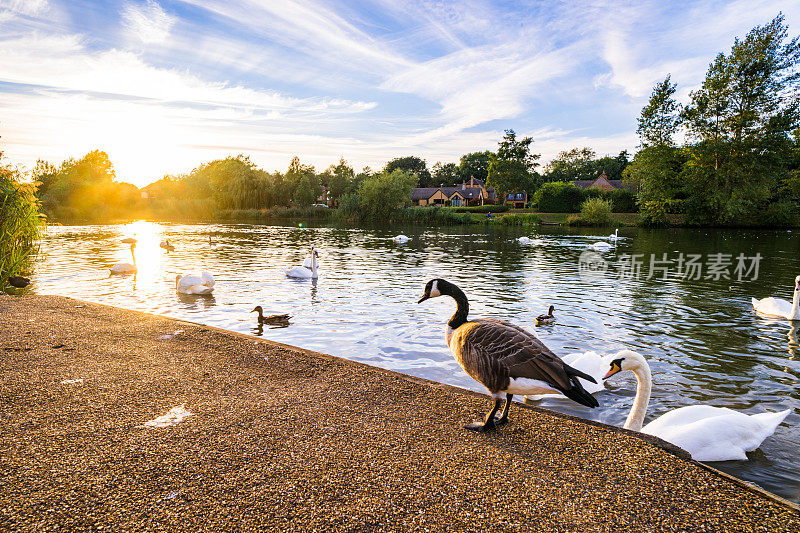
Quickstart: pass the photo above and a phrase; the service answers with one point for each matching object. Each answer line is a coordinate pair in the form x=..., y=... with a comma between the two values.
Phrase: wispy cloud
x=149, y=22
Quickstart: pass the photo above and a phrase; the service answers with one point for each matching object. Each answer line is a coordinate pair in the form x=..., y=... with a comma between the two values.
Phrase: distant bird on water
x=505, y=358
x=166, y=245
x=129, y=240
x=126, y=268
x=272, y=320
x=547, y=318
x=194, y=284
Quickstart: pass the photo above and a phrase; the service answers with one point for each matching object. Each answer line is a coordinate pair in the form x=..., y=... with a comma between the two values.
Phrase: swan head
x=624, y=360
x=797, y=284
x=433, y=289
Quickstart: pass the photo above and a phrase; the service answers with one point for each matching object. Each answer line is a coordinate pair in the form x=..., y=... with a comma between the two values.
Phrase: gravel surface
x=284, y=439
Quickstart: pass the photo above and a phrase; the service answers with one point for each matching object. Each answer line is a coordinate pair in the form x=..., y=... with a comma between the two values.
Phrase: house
x=602, y=182
x=474, y=193
x=517, y=200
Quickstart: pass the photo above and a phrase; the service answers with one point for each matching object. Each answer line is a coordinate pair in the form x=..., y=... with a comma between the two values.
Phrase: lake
x=703, y=341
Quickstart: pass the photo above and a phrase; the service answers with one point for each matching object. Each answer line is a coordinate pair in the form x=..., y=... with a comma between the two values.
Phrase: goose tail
x=574, y=372
x=578, y=394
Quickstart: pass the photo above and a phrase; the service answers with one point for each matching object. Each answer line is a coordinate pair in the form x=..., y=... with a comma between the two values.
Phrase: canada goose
x=301, y=272
x=18, y=281
x=546, y=318
x=505, y=358
x=708, y=433
x=194, y=284
x=780, y=307
x=126, y=268
x=273, y=320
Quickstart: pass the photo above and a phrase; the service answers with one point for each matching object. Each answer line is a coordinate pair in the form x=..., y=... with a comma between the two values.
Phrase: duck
x=708, y=433
x=273, y=320
x=195, y=284
x=301, y=272
x=547, y=318
x=211, y=243
x=504, y=358
x=779, y=307
x=18, y=282
x=166, y=245
x=126, y=268
x=401, y=239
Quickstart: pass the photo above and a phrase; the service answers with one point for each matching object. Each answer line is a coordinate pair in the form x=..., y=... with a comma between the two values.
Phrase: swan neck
x=796, y=305
x=644, y=387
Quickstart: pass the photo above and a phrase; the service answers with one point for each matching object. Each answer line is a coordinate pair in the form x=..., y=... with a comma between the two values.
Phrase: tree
x=475, y=164
x=511, y=168
x=382, y=193
x=659, y=120
x=446, y=174
x=304, y=193
x=341, y=176
x=415, y=166
x=573, y=164
x=656, y=167
x=296, y=172
x=740, y=119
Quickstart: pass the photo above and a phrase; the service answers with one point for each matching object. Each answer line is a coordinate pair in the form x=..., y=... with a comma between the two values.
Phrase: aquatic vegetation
x=20, y=224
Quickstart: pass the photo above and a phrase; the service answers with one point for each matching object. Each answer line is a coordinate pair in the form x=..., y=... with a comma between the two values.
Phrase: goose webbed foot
x=482, y=427
x=492, y=421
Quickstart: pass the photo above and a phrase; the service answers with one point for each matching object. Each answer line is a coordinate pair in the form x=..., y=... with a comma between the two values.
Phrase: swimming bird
x=307, y=261
x=126, y=268
x=401, y=239
x=614, y=236
x=708, y=433
x=129, y=240
x=524, y=240
x=18, y=281
x=602, y=246
x=166, y=245
x=779, y=307
x=546, y=318
x=301, y=272
x=273, y=320
x=505, y=358
x=195, y=284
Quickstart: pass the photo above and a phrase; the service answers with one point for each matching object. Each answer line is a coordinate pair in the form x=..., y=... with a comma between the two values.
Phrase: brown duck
x=272, y=320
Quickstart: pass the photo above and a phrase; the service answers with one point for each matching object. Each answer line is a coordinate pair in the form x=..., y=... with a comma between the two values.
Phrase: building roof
x=600, y=181
x=423, y=193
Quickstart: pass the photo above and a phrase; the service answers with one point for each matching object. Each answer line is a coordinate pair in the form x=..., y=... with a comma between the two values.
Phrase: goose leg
x=504, y=417
x=489, y=423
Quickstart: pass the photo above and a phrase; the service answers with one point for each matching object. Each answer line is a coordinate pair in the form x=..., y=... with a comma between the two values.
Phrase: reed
x=20, y=225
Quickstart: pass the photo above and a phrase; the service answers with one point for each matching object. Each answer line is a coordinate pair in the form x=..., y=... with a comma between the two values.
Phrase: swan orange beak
x=613, y=370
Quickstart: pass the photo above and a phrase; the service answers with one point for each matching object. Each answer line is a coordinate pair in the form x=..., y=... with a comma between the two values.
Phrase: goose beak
x=424, y=297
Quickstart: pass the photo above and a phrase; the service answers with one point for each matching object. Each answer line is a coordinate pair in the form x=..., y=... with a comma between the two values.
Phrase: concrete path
x=282, y=439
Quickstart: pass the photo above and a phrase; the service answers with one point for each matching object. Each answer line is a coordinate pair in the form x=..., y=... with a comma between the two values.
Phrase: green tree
x=382, y=193
x=304, y=193
x=573, y=164
x=512, y=167
x=740, y=119
x=475, y=164
x=20, y=224
x=446, y=174
x=659, y=119
x=415, y=166
x=341, y=177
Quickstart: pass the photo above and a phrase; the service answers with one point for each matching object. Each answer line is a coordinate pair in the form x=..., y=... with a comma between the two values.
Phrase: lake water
x=701, y=336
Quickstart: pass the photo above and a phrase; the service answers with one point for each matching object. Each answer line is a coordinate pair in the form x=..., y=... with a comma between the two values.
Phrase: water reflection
x=702, y=339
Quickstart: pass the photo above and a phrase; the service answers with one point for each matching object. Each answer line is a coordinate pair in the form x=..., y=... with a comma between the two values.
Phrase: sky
x=165, y=85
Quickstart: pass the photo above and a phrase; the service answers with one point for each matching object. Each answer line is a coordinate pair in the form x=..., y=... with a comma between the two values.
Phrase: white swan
x=194, y=284
x=614, y=236
x=707, y=433
x=779, y=307
x=602, y=246
x=588, y=362
x=307, y=262
x=301, y=272
x=126, y=268
x=524, y=240
x=401, y=239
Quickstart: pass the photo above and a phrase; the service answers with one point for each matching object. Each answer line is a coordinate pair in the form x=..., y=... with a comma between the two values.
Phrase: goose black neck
x=458, y=295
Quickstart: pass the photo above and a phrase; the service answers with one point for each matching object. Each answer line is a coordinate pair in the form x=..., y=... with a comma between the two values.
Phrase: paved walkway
x=284, y=439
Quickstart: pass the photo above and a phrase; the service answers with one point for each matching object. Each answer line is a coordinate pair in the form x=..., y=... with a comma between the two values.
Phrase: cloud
x=149, y=22
x=23, y=7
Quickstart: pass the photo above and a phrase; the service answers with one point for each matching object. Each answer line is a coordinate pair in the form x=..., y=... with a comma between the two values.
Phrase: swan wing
x=298, y=272
x=773, y=307
x=208, y=279
x=189, y=280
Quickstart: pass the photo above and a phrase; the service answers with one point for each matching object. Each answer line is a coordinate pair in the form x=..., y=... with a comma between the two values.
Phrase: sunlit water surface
x=702, y=339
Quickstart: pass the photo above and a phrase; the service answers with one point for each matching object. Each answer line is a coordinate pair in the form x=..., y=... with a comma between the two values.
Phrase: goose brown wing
x=519, y=352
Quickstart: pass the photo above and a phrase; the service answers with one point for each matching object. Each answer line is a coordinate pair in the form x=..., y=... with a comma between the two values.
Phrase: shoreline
x=280, y=439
